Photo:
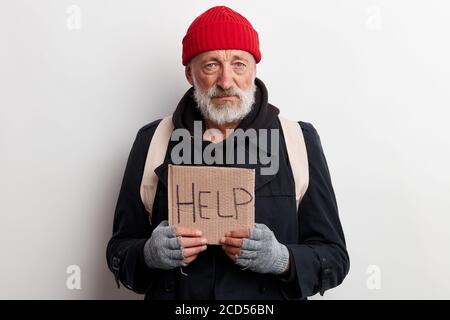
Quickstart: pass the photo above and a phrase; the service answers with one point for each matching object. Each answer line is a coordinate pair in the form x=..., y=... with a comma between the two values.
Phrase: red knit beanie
x=220, y=28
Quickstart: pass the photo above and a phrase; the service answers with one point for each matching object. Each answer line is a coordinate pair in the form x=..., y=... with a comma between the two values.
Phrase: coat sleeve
x=319, y=260
x=131, y=227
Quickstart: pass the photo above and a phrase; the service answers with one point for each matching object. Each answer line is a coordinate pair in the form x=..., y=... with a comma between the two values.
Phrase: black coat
x=313, y=233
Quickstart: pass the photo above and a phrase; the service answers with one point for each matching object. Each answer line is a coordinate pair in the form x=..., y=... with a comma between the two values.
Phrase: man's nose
x=225, y=80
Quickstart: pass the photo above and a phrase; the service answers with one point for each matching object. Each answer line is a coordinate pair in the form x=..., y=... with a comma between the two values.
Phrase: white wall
x=372, y=76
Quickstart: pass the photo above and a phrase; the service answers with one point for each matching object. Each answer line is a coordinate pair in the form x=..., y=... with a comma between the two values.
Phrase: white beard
x=228, y=111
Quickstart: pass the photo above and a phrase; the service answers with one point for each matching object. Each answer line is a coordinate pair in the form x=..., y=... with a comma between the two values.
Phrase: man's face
x=224, y=84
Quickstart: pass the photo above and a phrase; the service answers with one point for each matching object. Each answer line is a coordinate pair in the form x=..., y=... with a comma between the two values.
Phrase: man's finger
x=231, y=256
x=232, y=250
x=192, y=242
x=187, y=252
x=187, y=232
x=235, y=242
x=239, y=233
x=190, y=259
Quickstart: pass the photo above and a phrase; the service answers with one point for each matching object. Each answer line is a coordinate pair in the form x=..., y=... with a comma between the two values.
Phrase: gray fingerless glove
x=163, y=250
x=262, y=253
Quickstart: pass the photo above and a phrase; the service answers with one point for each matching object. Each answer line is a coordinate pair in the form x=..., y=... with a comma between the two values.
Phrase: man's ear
x=188, y=73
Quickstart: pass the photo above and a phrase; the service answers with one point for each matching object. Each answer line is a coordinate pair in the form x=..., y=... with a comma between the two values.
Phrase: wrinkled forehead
x=227, y=55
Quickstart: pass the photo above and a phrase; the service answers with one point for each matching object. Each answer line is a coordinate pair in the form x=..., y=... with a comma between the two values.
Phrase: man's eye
x=240, y=65
x=210, y=66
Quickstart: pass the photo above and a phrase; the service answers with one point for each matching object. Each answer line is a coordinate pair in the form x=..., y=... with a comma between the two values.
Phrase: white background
x=371, y=76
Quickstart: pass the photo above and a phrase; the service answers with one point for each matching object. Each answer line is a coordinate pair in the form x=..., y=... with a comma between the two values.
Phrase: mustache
x=218, y=92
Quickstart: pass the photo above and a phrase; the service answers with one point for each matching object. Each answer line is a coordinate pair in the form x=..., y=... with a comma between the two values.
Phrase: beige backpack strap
x=155, y=157
x=298, y=157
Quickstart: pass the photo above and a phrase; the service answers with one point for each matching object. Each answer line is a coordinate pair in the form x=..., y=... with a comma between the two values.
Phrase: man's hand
x=232, y=242
x=256, y=249
x=170, y=247
x=191, y=242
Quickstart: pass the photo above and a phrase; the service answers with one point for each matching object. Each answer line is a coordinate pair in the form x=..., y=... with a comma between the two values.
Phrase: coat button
x=262, y=289
x=115, y=263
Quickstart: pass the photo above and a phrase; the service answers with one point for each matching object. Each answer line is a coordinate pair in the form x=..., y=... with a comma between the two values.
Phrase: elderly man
x=291, y=252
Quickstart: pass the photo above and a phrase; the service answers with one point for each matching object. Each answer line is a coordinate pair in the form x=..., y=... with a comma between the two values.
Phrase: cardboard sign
x=212, y=199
